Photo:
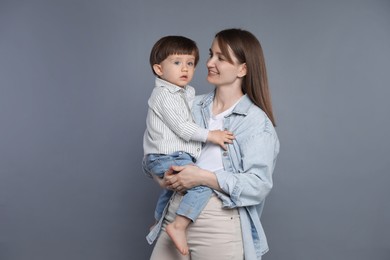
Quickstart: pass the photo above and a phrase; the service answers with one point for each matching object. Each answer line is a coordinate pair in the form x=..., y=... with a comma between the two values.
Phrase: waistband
x=214, y=206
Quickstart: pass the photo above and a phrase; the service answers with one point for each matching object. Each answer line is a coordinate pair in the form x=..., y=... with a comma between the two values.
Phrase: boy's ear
x=157, y=69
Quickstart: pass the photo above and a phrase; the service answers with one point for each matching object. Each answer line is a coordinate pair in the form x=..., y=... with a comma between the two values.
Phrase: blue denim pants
x=193, y=201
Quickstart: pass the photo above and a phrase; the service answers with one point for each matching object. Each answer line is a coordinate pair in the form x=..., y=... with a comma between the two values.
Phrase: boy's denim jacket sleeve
x=250, y=160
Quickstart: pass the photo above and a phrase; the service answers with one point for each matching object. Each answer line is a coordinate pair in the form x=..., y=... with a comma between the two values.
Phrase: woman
x=229, y=226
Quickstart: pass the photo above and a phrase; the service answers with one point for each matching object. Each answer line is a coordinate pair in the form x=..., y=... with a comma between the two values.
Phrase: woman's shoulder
x=249, y=109
x=203, y=99
x=254, y=114
x=198, y=98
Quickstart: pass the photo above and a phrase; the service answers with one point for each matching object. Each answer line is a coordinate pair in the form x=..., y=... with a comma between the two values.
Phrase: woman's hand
x=160, y=181
x=182, y=178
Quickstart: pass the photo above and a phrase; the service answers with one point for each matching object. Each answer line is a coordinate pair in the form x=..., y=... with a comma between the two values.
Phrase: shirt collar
x=171, y=87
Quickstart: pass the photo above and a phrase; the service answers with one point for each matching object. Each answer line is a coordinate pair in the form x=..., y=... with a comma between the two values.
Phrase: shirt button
x=198, y=149
x=225, y=153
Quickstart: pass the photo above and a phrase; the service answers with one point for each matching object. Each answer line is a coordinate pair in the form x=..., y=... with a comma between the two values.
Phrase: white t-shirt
x=210, y=157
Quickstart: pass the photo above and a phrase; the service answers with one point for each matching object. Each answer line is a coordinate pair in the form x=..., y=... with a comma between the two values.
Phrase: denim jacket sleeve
x=248, y=180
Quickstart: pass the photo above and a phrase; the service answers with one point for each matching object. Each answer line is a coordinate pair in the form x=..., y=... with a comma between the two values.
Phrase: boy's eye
x=176, y=62
x=190, y=63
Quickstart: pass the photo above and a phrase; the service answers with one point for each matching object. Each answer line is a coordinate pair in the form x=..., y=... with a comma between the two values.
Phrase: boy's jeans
x=193, y=201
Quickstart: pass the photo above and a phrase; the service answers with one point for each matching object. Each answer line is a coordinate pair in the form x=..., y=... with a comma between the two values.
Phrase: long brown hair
x=247, y=49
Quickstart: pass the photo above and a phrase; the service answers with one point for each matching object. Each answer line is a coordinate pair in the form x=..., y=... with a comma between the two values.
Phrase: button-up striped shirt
x=169, y=123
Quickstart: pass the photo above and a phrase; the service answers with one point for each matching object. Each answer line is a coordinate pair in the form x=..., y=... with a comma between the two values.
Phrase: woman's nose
x=209, y=62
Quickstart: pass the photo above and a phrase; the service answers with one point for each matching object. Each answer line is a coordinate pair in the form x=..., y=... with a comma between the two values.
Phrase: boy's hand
x=220, y=138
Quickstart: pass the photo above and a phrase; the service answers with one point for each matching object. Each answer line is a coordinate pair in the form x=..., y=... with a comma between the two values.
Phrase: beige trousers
x=215, y=235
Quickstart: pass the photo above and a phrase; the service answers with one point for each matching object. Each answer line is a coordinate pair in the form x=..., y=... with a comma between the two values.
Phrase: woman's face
x=220, y=71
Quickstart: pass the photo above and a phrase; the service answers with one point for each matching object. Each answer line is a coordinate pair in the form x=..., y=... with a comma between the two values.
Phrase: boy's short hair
x=170, y=45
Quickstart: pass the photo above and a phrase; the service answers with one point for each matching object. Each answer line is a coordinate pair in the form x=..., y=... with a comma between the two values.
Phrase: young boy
x=171, y=136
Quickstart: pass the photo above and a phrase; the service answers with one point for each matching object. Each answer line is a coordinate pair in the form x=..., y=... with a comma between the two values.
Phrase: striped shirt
x=169, y=123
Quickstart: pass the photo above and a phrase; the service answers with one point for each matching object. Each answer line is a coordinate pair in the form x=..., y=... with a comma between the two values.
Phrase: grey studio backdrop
x=74, y=82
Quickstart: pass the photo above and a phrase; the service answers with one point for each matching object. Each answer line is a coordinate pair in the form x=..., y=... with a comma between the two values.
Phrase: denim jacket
x=248, y=166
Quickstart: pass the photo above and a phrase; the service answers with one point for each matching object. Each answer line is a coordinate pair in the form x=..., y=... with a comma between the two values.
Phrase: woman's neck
x=225, y=98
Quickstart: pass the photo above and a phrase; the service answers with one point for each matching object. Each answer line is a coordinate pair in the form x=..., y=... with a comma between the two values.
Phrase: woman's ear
x=157, y=69
x=242, y=71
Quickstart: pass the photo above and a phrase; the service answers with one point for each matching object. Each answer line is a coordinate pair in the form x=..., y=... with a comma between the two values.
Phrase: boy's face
x=177, y=69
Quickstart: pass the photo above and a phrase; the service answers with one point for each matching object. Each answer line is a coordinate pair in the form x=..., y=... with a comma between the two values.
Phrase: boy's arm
x=168, y=106
x=200, y=135
x=220, y=138
x=170, y=109
x=217, y=137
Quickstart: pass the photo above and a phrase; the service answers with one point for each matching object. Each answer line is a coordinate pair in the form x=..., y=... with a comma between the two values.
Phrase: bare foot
x=178, y=237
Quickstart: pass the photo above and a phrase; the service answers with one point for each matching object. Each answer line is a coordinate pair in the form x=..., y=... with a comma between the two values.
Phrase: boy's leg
x=157, y=165
x=177, y=232
x=194, y=201
x=161, y=203
x=189, y=209
x=164, y=249
x=177, y=229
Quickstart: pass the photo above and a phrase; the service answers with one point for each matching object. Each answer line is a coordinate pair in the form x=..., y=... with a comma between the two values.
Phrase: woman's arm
x=247, y=187
x=253, y=182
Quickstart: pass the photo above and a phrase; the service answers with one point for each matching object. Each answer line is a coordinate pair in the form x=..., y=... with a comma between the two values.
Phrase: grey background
x=74, y=81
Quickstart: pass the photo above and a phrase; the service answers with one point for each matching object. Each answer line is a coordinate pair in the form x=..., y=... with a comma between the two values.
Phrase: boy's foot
x=178, y=237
